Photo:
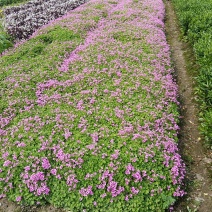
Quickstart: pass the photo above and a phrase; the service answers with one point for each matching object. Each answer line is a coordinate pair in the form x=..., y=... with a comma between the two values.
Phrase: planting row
x=195, y=19
x=21, y=21
x=89, y=112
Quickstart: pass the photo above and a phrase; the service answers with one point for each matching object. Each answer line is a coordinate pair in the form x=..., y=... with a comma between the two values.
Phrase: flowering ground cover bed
x=89, y=112
x=21, y=21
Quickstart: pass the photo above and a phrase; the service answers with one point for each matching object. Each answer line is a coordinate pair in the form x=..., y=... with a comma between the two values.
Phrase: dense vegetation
x=8, y=2
x=21, y=21
x=88, y=112
x=196, y=21
x=6, y=41
x=5, y=38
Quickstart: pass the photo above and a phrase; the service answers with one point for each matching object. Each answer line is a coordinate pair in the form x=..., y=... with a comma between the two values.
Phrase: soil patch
x=198, y=159
x=7, y=206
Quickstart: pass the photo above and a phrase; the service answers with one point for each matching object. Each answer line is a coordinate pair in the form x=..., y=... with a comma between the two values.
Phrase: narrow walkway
x=197, y=159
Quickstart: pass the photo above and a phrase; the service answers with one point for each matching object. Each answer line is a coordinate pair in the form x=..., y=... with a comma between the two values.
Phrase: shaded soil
x=6, y=206
x=197, y=158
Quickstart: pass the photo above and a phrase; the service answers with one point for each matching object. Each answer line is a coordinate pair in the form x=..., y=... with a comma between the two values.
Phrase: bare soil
x=7, y=206
x=197, y=158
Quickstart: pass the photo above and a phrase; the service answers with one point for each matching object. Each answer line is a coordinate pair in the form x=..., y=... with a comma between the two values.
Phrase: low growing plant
x=89, y=117
x=21, y=21
x=8, y=2
x=4, y=43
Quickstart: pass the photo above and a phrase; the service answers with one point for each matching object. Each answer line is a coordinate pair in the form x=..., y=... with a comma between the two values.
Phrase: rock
x=207, y=160
x=199, y=199
x=199, y=177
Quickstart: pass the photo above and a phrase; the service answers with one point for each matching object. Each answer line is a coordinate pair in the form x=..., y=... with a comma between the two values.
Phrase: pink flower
x=129, y=168
x=45, y=163
x=95, y=137
x=137, y=176
x=134, y=190
x=7, y=163
x=86, y=191
x=80, y=105
x=37, y=177
x=22, y=144
x=103, y=195
x=72, y=181
x=27, y=168
x=127, y=181
x=5, y=155
x=115, y=155
x=53, y=171
x=18, y=199
x=43, y=190
x=67, y=134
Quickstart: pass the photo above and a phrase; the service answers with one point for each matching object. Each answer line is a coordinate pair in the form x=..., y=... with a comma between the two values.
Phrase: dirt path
x=197, y=158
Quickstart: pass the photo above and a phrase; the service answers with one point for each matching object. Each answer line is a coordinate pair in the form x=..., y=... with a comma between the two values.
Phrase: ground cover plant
x=5, y=39
x=21, y=21
x=196, y=22
x=8, y=2
x=89, y=112
x=5, y=42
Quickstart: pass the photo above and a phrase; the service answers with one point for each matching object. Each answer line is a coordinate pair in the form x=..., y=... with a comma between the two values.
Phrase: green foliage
x=5, y=40
x=33, y=64
x=39, y=45
x=4, y=43
x=1, y=13
x=112, y=2
x=205, y=90
x=168, y=200
x=8, y=2
x=206, y=124
x=99, y=6
x=196, y=22
x=125, y=37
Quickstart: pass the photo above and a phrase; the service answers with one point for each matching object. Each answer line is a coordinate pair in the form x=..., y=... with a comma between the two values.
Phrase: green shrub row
x=195, y=18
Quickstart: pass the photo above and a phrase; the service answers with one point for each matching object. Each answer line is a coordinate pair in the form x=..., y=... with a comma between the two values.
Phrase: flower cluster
x=36, y=183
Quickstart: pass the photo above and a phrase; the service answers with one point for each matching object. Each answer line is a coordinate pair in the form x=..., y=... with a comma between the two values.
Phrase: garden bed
x=89, y=112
